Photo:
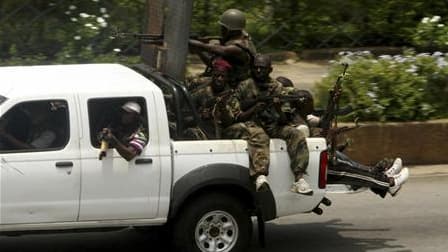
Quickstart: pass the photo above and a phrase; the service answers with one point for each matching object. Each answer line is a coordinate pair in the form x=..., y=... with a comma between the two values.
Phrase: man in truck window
x=128, y=137
x=40, y=133
x=219, y=109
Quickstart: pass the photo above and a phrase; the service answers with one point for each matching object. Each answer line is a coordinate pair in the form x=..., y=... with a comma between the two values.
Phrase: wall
x=417, y=143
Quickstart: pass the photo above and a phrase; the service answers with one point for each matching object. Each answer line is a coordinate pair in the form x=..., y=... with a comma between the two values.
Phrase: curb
x=428, y=170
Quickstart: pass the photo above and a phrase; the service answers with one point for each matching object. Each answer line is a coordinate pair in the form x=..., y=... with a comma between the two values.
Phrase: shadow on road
x=128, y=240
x=333, y=235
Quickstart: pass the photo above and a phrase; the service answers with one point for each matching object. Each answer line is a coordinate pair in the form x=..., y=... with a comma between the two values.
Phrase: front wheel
x=214, y=222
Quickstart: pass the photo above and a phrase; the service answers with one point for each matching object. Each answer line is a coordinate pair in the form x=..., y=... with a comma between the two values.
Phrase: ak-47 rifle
x=143, y=37
x=158, y=39
x=269, y=99
x=329, y=122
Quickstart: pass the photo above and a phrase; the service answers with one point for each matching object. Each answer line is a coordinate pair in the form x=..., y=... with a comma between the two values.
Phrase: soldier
x=236, y=46
x=297, y=111
x=220, y=109
x=385, y=176
x=272, y=119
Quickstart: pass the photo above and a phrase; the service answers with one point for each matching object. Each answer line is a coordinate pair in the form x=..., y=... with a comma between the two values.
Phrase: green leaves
x=68, y=31
x=431, y=34
x=405, y=87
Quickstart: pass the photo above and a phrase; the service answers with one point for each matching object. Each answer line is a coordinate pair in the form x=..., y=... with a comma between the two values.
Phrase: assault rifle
x=329, y=123
x=247, y=103
x=158, y=39
x=145, y=38
x=217, y=101
x=218, y=111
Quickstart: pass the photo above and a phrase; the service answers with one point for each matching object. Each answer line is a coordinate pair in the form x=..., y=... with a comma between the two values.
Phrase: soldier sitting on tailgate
x=386, y=176
x=261, y=91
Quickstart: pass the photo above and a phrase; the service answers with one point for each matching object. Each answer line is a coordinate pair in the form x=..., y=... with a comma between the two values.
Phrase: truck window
x=2, y=99
x=35, y=126
x=107, y=113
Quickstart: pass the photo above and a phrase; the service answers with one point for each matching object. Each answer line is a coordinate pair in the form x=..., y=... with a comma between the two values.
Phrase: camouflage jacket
x=241, y=69
x=269, y=116
x=217, y=111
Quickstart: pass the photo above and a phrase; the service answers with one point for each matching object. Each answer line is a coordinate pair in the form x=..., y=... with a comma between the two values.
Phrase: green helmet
x=233, y=20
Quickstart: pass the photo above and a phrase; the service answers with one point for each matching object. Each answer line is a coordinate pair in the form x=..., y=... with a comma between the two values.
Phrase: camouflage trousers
x=257, y=143
x=296, y=145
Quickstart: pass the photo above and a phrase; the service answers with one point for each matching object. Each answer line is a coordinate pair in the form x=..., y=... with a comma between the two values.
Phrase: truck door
x=40, y=166
x=113, y=188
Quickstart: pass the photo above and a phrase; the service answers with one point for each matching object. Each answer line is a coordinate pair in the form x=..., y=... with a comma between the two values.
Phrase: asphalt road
x=415, y=220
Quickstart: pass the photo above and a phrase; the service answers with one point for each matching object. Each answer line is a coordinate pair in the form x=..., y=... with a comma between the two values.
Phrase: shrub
x=391, y=88
x=431, y=34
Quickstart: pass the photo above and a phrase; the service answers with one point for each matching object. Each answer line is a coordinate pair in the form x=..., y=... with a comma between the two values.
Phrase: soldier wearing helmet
x=236, y=46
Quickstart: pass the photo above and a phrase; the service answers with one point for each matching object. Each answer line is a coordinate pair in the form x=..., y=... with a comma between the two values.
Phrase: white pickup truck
x=200, y=189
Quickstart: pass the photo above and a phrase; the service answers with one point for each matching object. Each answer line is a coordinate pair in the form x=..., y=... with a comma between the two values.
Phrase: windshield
x=2, y=99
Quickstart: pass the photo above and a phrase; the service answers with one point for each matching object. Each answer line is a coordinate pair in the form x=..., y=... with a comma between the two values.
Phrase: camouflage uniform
x=222, y=121
x=298, y=110
x=270, y=120
x=197, y=82
x=241, y=69
x=346, y=170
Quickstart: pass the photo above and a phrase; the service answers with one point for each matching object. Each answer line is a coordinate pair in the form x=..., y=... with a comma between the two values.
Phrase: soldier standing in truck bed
x=236, y=46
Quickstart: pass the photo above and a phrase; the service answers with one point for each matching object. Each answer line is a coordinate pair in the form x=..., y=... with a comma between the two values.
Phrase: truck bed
x=235, y=152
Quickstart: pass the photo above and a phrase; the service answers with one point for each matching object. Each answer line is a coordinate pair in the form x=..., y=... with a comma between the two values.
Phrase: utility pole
x=153, y=25
x=173, y=17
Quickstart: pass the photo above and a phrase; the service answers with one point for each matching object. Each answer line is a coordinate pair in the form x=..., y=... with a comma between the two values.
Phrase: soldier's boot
x=399, y=180
x=261, y=183
x=395, y=168
x=301, y=187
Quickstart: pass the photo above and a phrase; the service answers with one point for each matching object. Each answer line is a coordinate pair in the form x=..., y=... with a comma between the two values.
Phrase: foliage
x=402, y=87
x=71, y=31
x=79, y=31
x=391, y=88
x=294, y=24
x=431, y=34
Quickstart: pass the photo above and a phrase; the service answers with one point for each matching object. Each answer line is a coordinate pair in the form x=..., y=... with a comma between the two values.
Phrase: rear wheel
x=214, y=222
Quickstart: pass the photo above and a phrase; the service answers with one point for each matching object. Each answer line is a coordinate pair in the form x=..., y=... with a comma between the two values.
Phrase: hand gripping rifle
x=104, y=143
x=329, y=123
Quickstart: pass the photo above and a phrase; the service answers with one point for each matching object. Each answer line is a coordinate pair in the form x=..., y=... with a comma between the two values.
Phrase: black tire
x=224, y=218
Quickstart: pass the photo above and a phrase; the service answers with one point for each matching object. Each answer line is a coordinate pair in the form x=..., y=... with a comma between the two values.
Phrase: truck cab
x=59, y=183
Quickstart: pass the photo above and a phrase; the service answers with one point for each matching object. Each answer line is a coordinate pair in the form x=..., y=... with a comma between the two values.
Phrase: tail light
x=323, y=169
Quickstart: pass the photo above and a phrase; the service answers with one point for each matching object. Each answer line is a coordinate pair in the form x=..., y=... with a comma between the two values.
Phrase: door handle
x=64, y=164
x=143, y=161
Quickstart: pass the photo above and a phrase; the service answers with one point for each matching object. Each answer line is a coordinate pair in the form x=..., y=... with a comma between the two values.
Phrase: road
x=415, y=220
